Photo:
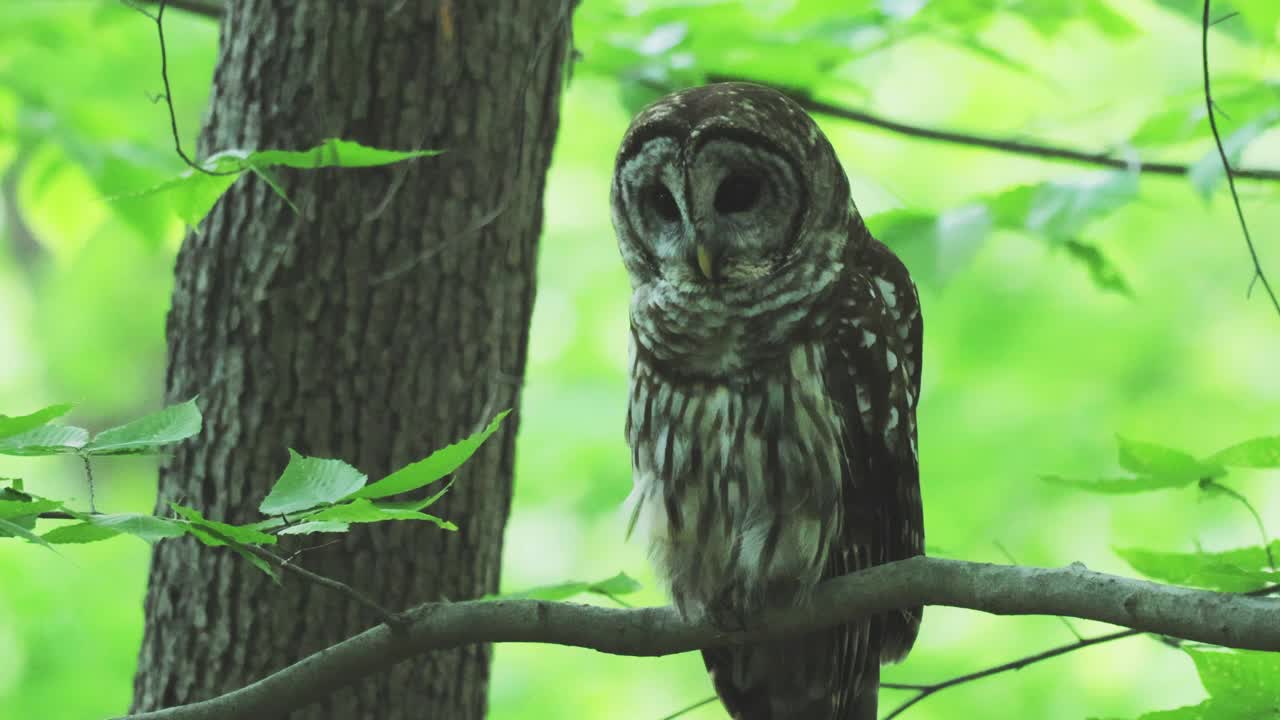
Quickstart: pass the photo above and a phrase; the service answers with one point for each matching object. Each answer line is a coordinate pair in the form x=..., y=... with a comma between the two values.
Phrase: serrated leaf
x=10, y=426
x=620, y=584
x=308, y=482
x=1144, y=458
x=1119, y=485
x=79, y=533
x=254, y=560
x=45, y=440
x=198, y=525
x=148, y=433
x=18, y=508
x=363, y=510
x=432, y=468
x=307, y=528
x=1259, y=452
x=148, y=528
x=1238, y=570
x=11, y=528
x=1245, y=677
x=334, y=152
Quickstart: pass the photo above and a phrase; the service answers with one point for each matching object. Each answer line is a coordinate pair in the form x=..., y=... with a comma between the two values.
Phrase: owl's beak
x=706, y=262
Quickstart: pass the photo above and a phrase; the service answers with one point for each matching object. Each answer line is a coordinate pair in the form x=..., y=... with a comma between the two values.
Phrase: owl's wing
x=873, y=373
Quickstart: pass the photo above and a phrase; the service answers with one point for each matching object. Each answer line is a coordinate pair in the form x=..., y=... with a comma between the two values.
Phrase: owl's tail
x=809, y=678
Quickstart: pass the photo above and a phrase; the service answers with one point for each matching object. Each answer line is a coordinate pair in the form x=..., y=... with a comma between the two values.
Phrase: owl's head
x=723, y=187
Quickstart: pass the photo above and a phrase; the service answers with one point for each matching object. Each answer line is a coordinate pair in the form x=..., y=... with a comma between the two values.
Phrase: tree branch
x=1232, y=174
x=1015, y=147
x=1225, y=619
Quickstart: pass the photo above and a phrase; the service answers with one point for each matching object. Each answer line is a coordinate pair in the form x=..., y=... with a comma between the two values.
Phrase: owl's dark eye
x=662, y=202
x=737, y=193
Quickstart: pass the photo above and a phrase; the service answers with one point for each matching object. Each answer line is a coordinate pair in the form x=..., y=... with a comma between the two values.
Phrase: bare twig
x=1211, y=484
x=88, y=475
x=1219, y=618
x=929, y=689
x=1258, y=275
x=158, y=19
x=690, y=708
x=394, y=620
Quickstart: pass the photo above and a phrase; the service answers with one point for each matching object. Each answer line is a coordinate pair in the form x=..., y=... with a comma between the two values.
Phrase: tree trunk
x=386, y=320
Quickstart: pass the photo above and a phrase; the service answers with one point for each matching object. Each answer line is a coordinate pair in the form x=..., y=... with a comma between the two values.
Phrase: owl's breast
x=738, y=486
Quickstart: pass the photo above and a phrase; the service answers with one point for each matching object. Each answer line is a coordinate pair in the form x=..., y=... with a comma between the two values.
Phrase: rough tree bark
x=388, y=319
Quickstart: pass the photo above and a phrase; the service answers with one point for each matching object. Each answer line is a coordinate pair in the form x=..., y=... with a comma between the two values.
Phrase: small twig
x=88, y=473
x=1258, y=274
x=927, y=690
x=158, y=19
x=690, y=708
x=396, y=621
x=1210, y=483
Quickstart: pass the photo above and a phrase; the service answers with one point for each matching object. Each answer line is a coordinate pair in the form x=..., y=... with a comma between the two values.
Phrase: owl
x=775, y=370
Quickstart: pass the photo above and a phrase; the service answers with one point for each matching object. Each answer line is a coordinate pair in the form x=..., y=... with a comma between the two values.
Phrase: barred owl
x=775, y=370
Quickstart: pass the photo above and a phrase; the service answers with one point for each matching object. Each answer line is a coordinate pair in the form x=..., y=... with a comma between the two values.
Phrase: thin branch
x=927, y=690
x=396, y=621
x=1211, y=484
x=1016, y=147
x=158, y=19
x=1219, y=618
x=690, y=708
x=88, y=474
x=1258, y=274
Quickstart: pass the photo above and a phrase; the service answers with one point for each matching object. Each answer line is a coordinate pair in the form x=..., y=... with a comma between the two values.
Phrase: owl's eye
x=737, y=193
x=662, y=202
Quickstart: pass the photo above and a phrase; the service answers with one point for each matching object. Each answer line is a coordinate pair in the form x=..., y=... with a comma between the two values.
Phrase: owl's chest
x=731, y=481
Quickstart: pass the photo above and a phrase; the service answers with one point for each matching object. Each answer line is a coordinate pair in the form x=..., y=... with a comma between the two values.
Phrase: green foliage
x=192, y=194
x=149, y=433
x=10, y=426
x=1238, y=570
x=620, y=584
x=432, y=468
x=1241, y=686
x=312, y=494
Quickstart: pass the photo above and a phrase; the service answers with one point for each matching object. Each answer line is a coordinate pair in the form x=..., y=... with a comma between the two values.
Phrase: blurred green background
x=1063, y=305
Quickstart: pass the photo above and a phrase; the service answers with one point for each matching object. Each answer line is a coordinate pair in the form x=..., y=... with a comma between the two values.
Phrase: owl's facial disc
x=745, y=201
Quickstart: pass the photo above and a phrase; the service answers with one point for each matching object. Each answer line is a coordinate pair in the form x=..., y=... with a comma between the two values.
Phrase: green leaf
x=1064, y=208
x=193, y=194
x=12, y=528
x=1206, y=174
x=433, y=467
x=1101, y=271
x=334, y=153
x=85, y=532
x=306, y=528
x=146, y=527
x=1238, y=570
x=1259, y=452
x=148, y=433
x=10, y=426
x=308, y=482
x=1119, y=485
x=199, y=524
x=935, y=247
x=1247, y=678
x=363, y=510
x=620, y=584
x=1146, y=458
x=45, y=440
x=10, y=509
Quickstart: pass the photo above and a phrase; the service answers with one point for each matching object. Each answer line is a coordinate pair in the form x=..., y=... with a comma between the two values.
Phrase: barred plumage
x=775, y=371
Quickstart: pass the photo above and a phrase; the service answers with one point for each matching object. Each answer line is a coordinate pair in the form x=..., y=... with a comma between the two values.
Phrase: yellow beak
x=706, y=263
